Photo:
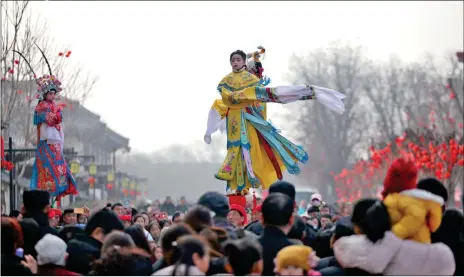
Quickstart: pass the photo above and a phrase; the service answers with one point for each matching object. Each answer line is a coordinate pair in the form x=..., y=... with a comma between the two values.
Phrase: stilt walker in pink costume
x=50, y=171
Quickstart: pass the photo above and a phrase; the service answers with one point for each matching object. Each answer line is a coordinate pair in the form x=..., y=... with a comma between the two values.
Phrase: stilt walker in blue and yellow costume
x=256, y=153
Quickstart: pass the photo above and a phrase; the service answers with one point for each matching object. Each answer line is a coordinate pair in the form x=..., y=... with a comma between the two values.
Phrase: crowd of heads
x=271, y=236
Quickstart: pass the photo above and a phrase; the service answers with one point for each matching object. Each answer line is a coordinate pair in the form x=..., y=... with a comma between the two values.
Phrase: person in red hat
x=54, y=216
x=414, y=213
x=256, y=213
x=126, y=220
x=237, y=216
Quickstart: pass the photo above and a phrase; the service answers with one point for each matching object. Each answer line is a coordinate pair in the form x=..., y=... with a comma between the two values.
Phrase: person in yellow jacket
x=414, y=213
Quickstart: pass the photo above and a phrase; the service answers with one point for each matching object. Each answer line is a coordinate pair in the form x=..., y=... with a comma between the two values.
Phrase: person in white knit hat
x=51, y=256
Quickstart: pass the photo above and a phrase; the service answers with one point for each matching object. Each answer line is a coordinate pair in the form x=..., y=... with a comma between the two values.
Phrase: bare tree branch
x=21, y=33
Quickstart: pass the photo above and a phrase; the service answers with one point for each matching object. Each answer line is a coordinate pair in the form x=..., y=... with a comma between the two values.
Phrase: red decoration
x=60, y=54
x=109, y=186
x=11, y=70
x=68, y=54
x=91, y=180
x=431, y=159
x=4, y=164
x=16, y=61
x=237, y=199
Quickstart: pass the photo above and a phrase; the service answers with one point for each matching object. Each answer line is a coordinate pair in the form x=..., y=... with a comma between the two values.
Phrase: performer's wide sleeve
x=48, y=116
x=284, y=94
x=216, y=118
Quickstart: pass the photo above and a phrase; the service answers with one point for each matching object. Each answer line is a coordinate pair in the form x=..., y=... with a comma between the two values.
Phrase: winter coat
x=226, y=225
x=42, y=220
x=394, y=256
x=143, y=265
x=414, y=214
x=159, y=264
x=255, y=227
x=329, y=266
x=55, y=270
x=272, y=241
x=82, y=250
x=168, y=208
x=182, y=208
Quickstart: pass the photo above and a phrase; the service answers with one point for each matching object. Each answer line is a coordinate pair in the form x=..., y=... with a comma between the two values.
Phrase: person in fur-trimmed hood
x=414, y=213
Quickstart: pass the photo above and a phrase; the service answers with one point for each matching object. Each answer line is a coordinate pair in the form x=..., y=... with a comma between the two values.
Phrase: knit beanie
x=434, y=186
x=216, y=202
x=51, y=250
x=294, y=256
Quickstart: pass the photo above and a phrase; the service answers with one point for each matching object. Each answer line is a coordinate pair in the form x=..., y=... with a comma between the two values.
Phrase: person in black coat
x=183, y=206
x=284, y=187
x=278, y=218
x=451, y=233
x=168, y=207
x=85, y=248
x=31, y=235
x=36, y=206
x=329, y=266
x=219, y=204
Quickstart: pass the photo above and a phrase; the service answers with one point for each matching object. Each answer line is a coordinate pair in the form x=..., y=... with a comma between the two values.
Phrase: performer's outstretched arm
x=283, y=95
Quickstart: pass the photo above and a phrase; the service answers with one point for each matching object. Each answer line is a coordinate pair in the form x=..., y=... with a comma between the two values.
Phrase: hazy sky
x=159, y=63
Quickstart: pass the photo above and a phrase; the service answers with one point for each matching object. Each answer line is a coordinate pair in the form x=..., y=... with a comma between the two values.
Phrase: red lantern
x=91, y=180
x=109, y=186
x=447, y=175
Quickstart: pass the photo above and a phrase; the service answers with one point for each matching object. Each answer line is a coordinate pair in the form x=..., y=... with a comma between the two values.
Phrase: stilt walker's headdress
x=46, y=83
x=254, y=65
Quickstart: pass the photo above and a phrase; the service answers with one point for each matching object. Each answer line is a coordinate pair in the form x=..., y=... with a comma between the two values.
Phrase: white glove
x=207, y=139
